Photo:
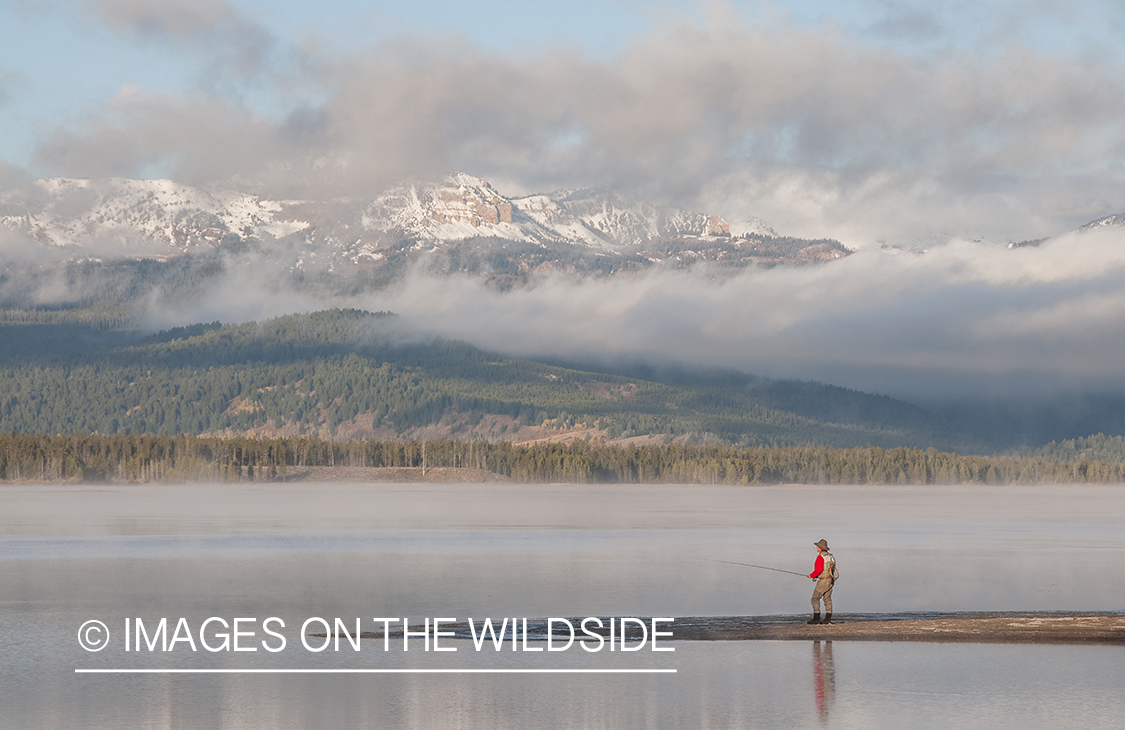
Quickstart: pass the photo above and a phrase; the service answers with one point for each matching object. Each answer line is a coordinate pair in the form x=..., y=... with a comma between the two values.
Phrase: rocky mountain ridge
x=119, y=218
x=458, y=224
x=141, y=215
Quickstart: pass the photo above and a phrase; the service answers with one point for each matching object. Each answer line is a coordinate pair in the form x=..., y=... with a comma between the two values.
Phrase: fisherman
x=825, y=575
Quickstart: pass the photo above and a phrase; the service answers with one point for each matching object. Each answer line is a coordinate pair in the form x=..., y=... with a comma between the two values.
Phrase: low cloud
x=967, y=318
x=963, y=318
x=870, y=208
x=17, y=250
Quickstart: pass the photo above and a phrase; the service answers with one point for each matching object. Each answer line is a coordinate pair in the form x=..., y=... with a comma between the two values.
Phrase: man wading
x=825, y=575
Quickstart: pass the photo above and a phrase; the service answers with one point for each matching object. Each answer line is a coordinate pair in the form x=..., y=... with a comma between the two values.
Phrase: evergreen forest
x=86, y=394
x=314, y=374
x=96, y=458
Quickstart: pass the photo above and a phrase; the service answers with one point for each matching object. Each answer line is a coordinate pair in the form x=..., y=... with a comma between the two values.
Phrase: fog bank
x=966, y=318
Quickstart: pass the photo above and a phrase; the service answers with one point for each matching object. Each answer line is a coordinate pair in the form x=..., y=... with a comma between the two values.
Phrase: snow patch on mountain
x=117, y=216
x=135, y=214
x=751, y=226
x=458, y=208
x=602, y=218
x=546, y=211
x=1112, y=221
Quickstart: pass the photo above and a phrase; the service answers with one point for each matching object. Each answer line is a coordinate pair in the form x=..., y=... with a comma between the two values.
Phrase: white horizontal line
x=375, y=671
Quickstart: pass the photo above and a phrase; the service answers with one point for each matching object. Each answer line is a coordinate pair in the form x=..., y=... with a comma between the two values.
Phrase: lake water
x=70, y=554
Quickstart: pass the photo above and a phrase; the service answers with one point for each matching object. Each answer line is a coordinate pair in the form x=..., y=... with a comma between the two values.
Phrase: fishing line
x=748, y=565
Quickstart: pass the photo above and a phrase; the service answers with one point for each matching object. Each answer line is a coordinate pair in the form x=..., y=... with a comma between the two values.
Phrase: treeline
x=98, y=317
x=739, y=251
x=142, y=458
x=1098, y=447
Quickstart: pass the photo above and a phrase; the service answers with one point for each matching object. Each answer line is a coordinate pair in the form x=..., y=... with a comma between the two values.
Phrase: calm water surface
x=69, y=554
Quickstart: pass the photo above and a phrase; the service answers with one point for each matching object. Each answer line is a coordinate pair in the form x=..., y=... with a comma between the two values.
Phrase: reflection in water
x=824, y=679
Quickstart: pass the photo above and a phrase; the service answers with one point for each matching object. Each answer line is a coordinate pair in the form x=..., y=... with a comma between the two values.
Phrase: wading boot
x=815, y=618
x=827, y=618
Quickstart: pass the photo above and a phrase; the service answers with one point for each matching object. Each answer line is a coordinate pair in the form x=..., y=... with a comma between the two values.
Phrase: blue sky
x=863, y=119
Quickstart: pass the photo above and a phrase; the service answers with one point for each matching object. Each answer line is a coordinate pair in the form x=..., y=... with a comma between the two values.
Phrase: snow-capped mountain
x=69, y=212
x=1112, y=221
x=139, y=217
x=604, y=218
x=463, y=207
x=577, y=230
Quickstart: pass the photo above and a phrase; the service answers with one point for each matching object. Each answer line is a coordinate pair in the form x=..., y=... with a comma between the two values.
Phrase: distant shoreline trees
x=154, y=459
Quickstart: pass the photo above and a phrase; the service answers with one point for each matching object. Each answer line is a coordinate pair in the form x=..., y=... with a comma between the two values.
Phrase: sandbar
x=1034, y=627
x=1031, y=627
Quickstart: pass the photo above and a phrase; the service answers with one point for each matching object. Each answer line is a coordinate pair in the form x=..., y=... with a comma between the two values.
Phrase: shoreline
x=308, y=475
x=977, y=627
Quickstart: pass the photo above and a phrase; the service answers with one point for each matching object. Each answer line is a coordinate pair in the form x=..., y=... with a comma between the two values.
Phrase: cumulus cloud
x=7, y=81
x=910, y=23
x=171, y=17
x=200, y=139
x=237, y=53
x=827, y=135
x=11, y=175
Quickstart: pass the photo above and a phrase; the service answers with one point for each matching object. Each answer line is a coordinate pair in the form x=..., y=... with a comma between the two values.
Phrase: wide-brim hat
x=822, y=544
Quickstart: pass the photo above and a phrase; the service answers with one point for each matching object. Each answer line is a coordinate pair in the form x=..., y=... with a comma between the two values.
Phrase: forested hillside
x=352, y=374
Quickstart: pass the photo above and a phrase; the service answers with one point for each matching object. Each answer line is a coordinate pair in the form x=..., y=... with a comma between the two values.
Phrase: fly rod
x=748, y=565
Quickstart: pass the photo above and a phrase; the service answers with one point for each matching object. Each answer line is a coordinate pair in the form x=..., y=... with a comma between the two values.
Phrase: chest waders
x=826, y=581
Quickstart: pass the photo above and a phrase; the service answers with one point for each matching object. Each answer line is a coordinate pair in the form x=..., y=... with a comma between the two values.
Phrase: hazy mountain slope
x=350, y=374
x=346, y=374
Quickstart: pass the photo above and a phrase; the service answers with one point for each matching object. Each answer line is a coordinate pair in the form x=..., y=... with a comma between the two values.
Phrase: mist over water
x=608, y=549
x=71, y=553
